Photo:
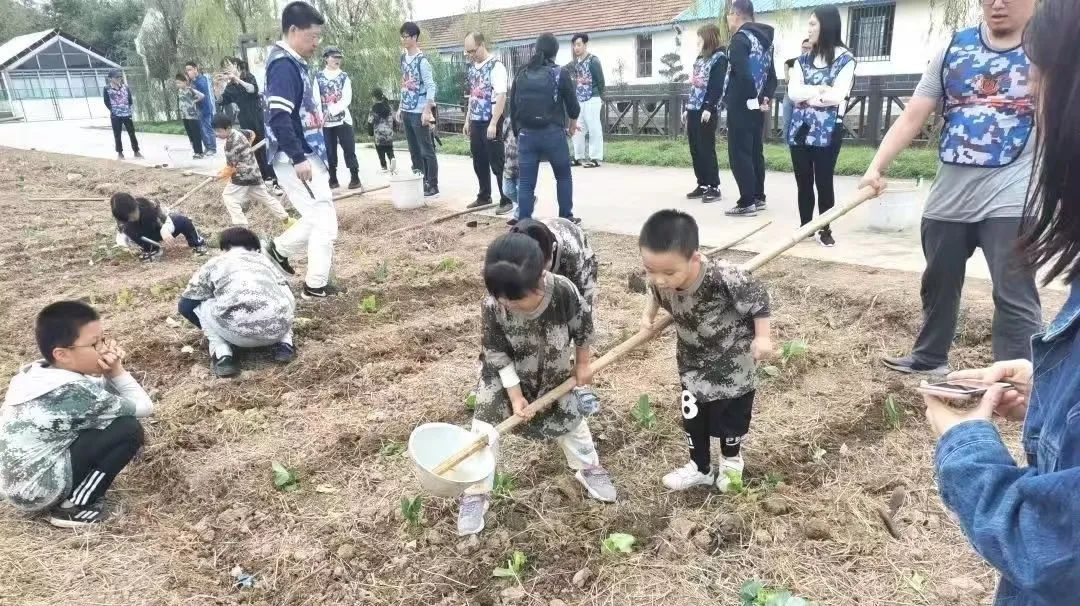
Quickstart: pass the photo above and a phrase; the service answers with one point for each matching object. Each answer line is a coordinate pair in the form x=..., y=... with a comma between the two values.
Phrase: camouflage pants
x=577, y=446
x=493, y=407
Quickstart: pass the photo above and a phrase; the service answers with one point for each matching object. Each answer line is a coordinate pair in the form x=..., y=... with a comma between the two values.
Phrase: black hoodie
x=741, y=88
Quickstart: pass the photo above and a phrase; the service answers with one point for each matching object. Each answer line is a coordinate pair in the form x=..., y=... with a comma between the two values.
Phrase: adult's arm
x=249, y=84
x=131, y=97
x=715, y=87
x=568, y=94
x=427, y=76
x=510, y=105
x=108, y=102
x=499, y=82
x=769, y=90
x=283, y=85
x=1025, y=524
x=597, y=75
x=833, y=96
x=920, y=107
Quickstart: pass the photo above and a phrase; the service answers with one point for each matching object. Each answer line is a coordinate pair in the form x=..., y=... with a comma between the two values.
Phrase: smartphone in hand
x=959, y=389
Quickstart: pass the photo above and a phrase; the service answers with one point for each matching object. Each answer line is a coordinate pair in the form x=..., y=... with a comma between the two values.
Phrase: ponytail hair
x=538, y=231
x=513, y=267
x=547, y=47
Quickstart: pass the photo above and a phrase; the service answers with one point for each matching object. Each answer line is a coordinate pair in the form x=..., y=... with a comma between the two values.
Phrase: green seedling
x=285, y=479
x=504, y=486
x=735, y=482
x=515, y=565
x=411, y=509
x=643, y=412
x=772, y=480
x=618, y=542
x=768, y=371
x=382, y=272
x=449, y=264
x=124, y=298
x=470, y=402
x=392, y=449
x=369, y=305
x=894, y=413
x=755, y=593
x=793, y=350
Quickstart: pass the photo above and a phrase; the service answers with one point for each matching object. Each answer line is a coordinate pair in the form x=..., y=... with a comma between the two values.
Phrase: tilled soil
x=823, y=459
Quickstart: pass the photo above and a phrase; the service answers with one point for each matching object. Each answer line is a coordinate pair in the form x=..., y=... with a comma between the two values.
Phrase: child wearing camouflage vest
x=533, y=323
x=245, y=176
x=69, y=424
x=721, y=316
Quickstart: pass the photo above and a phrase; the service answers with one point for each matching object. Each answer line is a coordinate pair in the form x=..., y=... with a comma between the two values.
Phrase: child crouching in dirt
x=532, y=322
x=245, y=178
x=721, y=315
x=566, y=253
x=240, y=299
x=69, y=422
x=142, y=223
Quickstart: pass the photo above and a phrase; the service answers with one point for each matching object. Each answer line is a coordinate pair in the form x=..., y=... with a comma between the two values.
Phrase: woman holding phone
x=1025, y=521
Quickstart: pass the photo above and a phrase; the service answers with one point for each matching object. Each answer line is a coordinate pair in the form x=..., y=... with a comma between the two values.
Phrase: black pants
x=194, y=135
x=816, y=165
x=488, y=157
x=703, y=148
x=124, y=123
x=98, y=456
x=746, y=153
x=342, y=135
x=421, y=147
x=728, y=420
x=182, y=226
x=1017, y=311
x=386, y=153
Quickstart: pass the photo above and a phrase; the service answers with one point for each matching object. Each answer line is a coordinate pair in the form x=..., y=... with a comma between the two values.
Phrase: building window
x=515, y=57
x=644, y=55
x=871, y=32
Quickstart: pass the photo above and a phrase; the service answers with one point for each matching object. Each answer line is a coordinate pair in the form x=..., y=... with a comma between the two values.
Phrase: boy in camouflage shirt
x=239, y=298
x=69, y=423
x=533, y=323
x=566, y=253
x=246, y=181
x=721, y=315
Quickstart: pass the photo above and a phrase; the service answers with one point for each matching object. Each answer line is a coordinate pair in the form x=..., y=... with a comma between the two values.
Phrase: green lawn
x=912, y=163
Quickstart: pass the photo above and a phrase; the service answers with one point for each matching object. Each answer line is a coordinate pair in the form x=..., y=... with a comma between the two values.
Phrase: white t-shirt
x=500, y=79
x=832, y=96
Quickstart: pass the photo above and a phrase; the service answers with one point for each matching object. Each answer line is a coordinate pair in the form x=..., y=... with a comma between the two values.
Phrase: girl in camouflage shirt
x=531, y=319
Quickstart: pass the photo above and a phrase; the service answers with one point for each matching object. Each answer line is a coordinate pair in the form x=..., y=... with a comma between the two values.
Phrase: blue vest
x=413, y=89
x=481, y=90
x=330, y=90
x=989, y=110
x=822, y=121
x=583, y=80
x=311, y=118
x=760, y=61
x=699, y=82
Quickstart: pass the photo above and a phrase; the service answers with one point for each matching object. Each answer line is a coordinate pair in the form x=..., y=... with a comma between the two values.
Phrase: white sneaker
x=729, y=468
x=471, y=510
x=687, y=477
x=393, y=166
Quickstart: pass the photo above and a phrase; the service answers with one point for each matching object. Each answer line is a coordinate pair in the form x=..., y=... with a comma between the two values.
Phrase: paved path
x=612, y=198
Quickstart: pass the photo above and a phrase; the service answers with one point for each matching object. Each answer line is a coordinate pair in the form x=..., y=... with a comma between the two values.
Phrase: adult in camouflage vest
x=487, y=82
x=982, y=80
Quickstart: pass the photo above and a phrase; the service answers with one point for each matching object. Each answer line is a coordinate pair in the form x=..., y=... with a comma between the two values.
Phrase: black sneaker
x=201, y=250
x=197, y=157
x=908, y=366
x=278, y=259
x=760, y=203
x=354, y=182
x=76, y=517
x=574, y=220
x=120, y=156
x=282, y=353
x=576, y=163
x=478, y=202
x=825, y=238
x=224, y=367
x=334, y=183
x=138, y=156
x=511, y=221
x=320, y=293
x=741, y=211
x=150, y=257
x=591, y=164
x=210, y=154
x=698, y=192
x=504, y=207
x=431, y=192
x=712, y=194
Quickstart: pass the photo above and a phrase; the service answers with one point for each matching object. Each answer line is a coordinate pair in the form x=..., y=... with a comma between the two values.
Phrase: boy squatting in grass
x=721, y=316
x=142, y=223
x=239, y=298
x=69, y=421
x=245, y=177
x=532, y=321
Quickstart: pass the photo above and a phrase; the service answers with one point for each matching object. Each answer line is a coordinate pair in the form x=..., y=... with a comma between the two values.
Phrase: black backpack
x=536, y=96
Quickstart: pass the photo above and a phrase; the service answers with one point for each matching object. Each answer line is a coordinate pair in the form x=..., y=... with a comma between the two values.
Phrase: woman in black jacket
x=242, y=90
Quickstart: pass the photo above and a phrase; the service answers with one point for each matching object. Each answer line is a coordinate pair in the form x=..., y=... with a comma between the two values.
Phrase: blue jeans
x=208, y=138
x=510, y=190
x=534, y=145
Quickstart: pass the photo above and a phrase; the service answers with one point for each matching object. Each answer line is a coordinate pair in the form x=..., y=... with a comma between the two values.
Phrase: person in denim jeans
x=541, y=100
x=1025, y=521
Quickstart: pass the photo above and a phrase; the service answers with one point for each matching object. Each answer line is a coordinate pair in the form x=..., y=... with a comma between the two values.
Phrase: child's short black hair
x=513, y=266
x=410, y=29
x=241, y=237
x=583, y=37
x=378, y=94
x=670, y=231
x=222, y=121
x=59, y=324
x=191, y=64
x=123, y=204
x=180, y=77
x=538, y=231
x=300, y=15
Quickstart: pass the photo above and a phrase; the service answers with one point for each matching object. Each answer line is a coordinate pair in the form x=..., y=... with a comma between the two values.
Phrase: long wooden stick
x=359, y=192
x=440, y=219
x=647, y=335
x=712, y=251
x=208, y=180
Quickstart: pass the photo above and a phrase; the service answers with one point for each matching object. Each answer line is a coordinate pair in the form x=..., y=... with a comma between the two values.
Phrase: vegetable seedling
x=369, y=305
x=755, y=593
x=382, y=272
x=504, y=486
x=285, y=479
x=392, y=449
x=643, y=412
x=735, y=482
x=515, y=565
x=411, y=510
x=894, y=413
x=124, y=299
x=618, y=542
x=470, y=402
x=793, y=350
x=449, y=264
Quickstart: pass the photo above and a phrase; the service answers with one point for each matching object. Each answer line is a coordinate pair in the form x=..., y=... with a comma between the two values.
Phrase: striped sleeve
x=284, y=90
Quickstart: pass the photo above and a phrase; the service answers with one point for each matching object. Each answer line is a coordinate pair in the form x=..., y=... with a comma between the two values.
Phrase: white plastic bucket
x=407, y=191
x=897, y=209
x=432, y=443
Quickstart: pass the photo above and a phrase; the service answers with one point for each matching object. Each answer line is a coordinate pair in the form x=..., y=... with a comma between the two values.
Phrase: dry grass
x=200, y=500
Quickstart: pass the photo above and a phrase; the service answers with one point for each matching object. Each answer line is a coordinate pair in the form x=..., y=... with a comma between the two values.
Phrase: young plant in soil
x=124, y=299
x=755, y=593
x=470, y=402
x=618, y=542
x=285, y=479
x=392, y=449
x=504, y=486
x=515, y=565
x=643, y=412
x=449, y=264
x=369, y=305
x=411, y=510
x=894, y=413
x=793, y=351
x=382, y=272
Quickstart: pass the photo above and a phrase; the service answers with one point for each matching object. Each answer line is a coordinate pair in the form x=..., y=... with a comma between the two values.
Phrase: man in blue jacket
x=206, y=107
x=294, y=137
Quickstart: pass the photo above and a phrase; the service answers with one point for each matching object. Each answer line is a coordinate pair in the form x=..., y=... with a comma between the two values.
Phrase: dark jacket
x=151, y=218
x=741, y=86
x=564, y=104
x=250, y=116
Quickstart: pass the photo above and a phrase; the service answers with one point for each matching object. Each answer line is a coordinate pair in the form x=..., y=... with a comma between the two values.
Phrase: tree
x=673, y=68
x=17, y=19
x=109, y=26
x=251, y=14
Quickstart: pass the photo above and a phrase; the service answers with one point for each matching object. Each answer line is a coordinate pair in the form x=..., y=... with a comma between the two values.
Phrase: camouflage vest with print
x=699, y=82
x=820, y=121
x=331, y=90
x=583, y=80
x=481, y=90
x=311, y=116
x=989, y=110
x=412, y=83
x=120, y=99
x=760, y=62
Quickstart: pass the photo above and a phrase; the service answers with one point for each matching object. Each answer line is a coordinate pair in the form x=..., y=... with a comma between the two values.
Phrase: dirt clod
x=582, y=578
x=512, y=594
x=775, y=504
x=346, y=552
x=74, y=177
x=556, y=602
x=636, y=282
x=817, y=529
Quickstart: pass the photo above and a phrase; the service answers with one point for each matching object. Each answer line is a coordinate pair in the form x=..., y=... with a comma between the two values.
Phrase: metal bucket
x=432, y=443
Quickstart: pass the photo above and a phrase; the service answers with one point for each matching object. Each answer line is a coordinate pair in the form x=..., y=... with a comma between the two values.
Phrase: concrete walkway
x=611, y=198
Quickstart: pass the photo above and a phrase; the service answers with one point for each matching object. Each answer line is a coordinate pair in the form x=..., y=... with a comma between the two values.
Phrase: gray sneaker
x=909, y=366
x=471, y=510
x=597, y=481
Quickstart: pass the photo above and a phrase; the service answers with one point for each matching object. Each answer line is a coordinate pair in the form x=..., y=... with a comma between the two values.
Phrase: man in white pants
x=589, y=83
x=296, y=143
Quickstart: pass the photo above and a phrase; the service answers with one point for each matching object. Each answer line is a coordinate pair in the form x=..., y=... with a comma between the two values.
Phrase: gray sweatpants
x=947, y=247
